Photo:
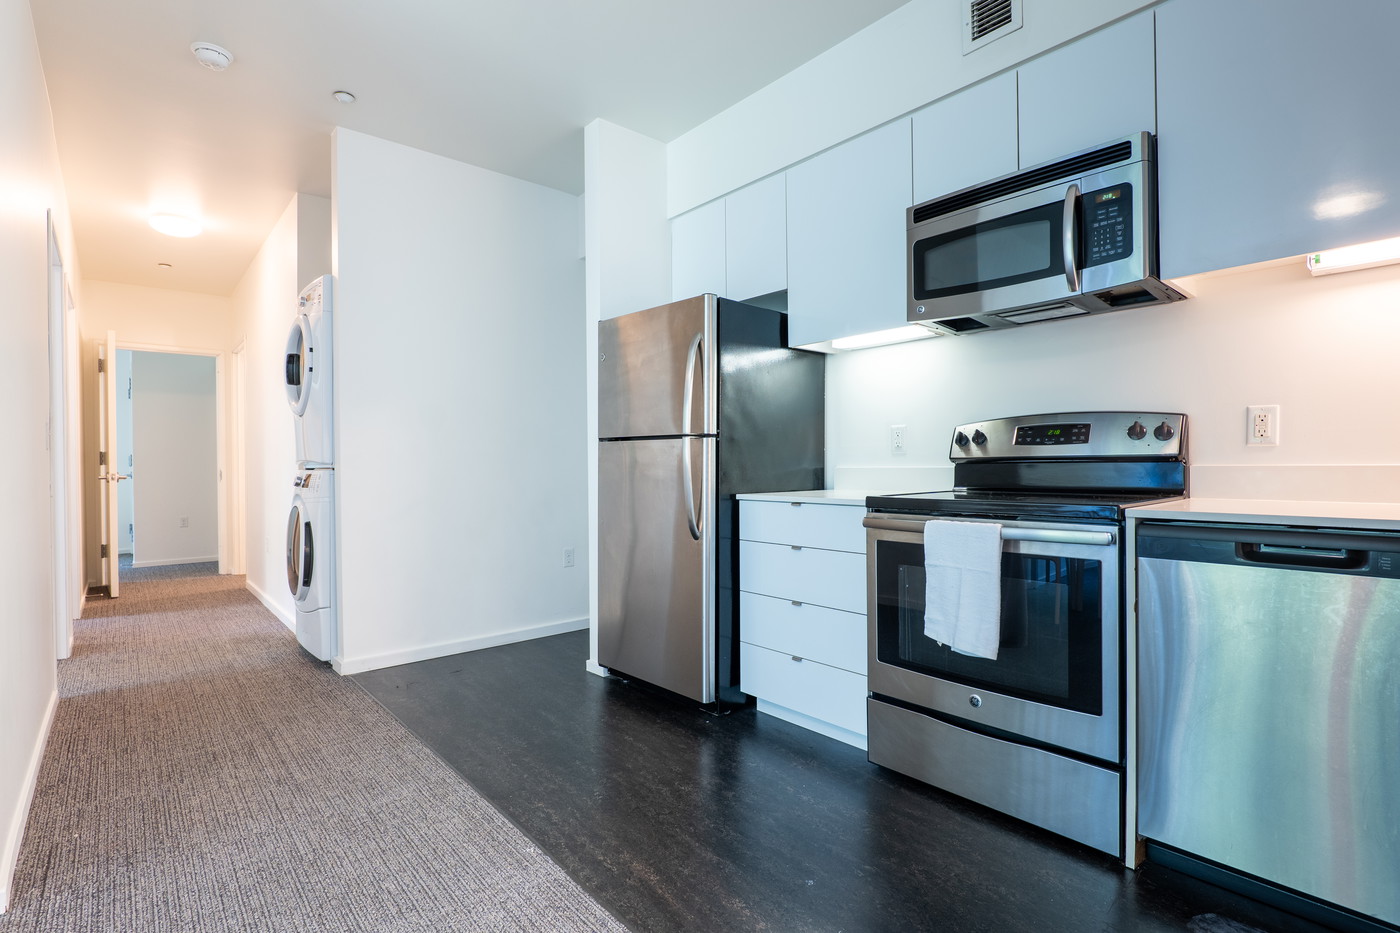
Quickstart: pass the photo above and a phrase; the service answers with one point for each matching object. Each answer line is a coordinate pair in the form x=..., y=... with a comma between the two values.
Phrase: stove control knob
x=961, y=439
x=1163, y=432
x=979, y=438
x=1137, y=430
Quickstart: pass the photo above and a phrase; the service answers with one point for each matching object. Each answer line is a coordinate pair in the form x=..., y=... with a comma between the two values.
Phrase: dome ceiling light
x=345, y=97
x=211, y=56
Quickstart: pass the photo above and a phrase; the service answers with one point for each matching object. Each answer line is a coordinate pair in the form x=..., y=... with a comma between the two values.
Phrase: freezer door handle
x=687, y=468
x=692, y=358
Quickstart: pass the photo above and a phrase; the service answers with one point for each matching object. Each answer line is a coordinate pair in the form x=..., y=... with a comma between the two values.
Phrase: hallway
x=204, y=774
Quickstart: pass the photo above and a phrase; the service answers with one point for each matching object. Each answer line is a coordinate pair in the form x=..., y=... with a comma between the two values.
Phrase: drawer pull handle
x=796, y=658
x=796, y=603
x=795, y=547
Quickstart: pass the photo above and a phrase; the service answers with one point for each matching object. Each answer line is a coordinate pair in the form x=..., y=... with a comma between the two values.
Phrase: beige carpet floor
x=204, y=774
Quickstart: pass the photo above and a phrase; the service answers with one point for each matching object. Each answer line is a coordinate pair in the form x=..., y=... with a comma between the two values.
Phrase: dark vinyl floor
x=674, y=819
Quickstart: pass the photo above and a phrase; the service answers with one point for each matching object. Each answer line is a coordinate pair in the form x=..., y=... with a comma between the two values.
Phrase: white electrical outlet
x=1261, y=425
x=568, y=557
x=184, y=521
x=897, y=437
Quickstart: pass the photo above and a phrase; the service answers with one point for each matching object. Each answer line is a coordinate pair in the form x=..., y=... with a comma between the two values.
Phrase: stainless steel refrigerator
x=697, y=401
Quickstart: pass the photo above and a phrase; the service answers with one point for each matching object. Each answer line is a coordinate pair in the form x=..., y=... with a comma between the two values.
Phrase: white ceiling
x=507, y=85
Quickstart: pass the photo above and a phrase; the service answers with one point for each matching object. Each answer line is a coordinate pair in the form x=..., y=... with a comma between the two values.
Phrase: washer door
x=301, y=551
x=298, y=374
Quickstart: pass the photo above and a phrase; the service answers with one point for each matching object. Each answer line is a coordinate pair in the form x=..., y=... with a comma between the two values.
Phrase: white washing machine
x=311, y=561
x=308, y=375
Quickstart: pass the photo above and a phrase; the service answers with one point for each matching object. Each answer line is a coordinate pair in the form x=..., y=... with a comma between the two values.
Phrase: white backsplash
x=1323, y=349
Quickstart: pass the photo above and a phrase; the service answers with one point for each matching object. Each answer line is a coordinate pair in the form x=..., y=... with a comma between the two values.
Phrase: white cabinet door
x=1096, y=89
x=846, y=232
x=755, y=241
x=697, y=252
x=1277, y=130
x=966, y=139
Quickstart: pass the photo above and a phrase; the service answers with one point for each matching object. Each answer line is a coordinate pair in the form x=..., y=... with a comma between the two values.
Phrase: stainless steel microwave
x=1071, y=237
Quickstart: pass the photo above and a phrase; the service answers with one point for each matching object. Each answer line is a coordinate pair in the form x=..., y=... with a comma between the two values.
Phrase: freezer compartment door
x=656, y=371
x=656, y=563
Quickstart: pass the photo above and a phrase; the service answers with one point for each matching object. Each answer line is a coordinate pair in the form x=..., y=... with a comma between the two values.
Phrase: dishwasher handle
x=1297, y=555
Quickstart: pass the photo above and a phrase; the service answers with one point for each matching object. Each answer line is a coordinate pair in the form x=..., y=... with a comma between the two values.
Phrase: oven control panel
x=1072, y=435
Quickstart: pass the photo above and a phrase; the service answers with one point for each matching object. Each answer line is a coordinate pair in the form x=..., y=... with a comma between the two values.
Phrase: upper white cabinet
x=1096, y=89
x=966, y=138
x=755, y=242
x=1277, y=130
x=846, y=232
x=697, y=252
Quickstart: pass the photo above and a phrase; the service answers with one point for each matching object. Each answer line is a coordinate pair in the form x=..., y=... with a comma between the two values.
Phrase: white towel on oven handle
x=962, y=602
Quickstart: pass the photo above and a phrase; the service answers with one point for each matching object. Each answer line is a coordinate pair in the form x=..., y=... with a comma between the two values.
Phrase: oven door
x=1055, y=681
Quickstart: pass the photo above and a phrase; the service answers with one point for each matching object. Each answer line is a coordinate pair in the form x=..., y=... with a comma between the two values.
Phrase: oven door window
x=1020, y=247
x=1051, y=628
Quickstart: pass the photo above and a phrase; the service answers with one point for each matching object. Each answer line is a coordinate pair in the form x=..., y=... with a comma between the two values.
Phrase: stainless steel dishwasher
x=1269, y=705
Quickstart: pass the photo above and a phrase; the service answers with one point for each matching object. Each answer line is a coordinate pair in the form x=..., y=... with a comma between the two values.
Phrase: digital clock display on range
x=1041, y=434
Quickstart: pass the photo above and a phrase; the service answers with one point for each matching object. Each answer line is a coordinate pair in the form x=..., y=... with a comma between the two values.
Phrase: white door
x=109, y=475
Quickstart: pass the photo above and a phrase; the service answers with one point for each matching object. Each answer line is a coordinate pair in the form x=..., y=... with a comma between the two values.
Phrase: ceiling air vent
x=988, y=20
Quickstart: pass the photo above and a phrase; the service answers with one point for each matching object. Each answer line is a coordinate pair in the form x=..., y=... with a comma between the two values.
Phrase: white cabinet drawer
x=830, y=636
x=834, y=527
x=835, y=579
x=808, y=687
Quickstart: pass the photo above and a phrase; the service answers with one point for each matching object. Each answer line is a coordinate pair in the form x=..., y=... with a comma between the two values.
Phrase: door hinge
x=104, y=550
x=101, y=365
x=102, y=458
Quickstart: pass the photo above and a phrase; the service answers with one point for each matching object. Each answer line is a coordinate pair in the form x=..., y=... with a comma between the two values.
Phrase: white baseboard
x=358, y=665
x=811, y=722
x=171, y=562
x=272, y=607
x=9, y=855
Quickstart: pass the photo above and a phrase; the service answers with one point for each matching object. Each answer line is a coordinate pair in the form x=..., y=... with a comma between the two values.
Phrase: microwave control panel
x=1108, y=224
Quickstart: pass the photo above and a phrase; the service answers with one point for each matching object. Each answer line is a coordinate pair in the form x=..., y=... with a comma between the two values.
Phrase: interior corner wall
x=459, y=395
x=176, y=486
x=31, y=185
x=264, y=306
x=153, y=317
x=313, y=238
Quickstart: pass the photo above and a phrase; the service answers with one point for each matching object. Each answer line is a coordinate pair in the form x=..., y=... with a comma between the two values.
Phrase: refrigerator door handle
x=692, y=357
x=687, y=469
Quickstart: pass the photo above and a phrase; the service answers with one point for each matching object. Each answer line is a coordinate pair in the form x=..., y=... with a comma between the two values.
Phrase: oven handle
x=1046, y=535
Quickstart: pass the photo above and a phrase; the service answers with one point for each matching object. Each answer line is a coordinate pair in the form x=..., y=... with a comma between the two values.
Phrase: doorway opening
x=167, y=443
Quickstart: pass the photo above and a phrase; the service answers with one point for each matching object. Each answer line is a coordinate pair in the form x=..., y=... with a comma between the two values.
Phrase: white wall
x=264, y=304
x=896, y=65
x=150, y=317
x=173, y=438
x=459, y=395
x=30, y=185
x=1321, y=348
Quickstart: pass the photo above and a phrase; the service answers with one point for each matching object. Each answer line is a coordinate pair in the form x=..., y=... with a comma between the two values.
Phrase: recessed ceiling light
x=163, y=265
x=175, y=225
x=211, y=56
x=345, y=97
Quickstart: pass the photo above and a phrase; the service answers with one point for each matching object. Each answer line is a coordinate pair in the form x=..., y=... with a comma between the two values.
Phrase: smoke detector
x=211, y=56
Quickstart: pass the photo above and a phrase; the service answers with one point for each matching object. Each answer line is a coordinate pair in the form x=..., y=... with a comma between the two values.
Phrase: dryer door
x=299, y=551
x=298, y=374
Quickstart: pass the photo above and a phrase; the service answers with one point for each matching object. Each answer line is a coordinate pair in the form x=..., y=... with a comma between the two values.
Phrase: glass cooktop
x=983, y=503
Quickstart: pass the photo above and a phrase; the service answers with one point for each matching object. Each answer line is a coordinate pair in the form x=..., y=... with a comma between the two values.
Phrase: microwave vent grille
x=985, y=20
x=1024, y=181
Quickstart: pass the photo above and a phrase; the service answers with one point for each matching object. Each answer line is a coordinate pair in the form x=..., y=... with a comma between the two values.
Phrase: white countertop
x=1376, y=516
x=814, y=496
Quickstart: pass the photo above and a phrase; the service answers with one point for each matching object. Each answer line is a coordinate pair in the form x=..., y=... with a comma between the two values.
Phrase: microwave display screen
x=1052, y=434
x=1108, y=224
x=1020, y=247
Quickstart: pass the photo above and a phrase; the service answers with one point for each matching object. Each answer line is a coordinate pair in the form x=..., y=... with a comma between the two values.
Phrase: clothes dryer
x=311, y=561
x=308, y=375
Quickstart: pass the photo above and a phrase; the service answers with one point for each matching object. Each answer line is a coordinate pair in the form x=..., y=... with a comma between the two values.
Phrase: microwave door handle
x=1068, y=240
